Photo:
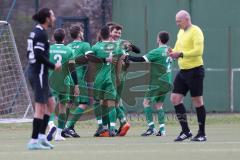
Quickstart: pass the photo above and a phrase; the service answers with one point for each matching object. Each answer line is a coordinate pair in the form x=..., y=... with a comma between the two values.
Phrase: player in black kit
x=38, y=59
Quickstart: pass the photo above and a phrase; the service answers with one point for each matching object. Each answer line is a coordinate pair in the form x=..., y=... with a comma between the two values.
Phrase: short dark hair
x=41, y=15
x=110, y=24
x=163, y=36
x=75, y=30
x=59, y=35
x=116, y=26
x=104, y=32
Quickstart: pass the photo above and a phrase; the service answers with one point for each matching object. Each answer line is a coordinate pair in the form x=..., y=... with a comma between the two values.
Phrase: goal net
x=15, y=102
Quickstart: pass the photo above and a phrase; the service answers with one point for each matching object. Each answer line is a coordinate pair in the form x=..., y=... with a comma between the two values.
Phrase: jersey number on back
x=58, y=58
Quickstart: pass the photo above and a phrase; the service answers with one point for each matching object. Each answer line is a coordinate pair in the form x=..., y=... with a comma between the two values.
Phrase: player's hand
x=76, y=91
x=169, y=50
x=127, y=46
x=58, y=67
x=146, y=102
x=175, y=55
x=125, y=60
x=123, y=57
x=109, y=59
x=70, y=104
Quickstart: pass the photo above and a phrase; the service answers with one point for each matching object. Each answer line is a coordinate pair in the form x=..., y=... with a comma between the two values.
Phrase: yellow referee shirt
x=191, y=44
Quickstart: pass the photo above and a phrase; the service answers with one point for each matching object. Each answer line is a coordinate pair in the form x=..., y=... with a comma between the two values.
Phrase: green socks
x=75, y=117
x=52, y=117
x=123, y=109
x=105, y=117
x=161, y=116
x=149, y=116
x=121, y=116
x=98, y=113
x=112, y=117
x=61, y=120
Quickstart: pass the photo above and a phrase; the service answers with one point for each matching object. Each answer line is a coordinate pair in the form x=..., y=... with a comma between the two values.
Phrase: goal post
x=15, y=101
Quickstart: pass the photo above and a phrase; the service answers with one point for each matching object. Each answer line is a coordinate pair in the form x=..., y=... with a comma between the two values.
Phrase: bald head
x=183, y=15
x=183, y=19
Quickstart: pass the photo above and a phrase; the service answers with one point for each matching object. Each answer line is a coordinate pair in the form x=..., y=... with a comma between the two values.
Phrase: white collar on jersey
x=163, y=45
x=77, y=41
x=39, y=26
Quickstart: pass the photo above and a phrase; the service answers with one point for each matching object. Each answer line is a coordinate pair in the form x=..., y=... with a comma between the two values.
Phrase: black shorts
x=39, y=84
x=189, y=80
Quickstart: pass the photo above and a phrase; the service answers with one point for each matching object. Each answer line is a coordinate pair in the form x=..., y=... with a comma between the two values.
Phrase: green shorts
x=62, y=98
x=82, y=98
x=157, y=93
x=120, y=87
x=104, y=89
x=156, y=99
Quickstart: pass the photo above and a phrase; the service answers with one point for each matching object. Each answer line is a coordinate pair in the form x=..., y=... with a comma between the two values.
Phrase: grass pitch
x=223, y=132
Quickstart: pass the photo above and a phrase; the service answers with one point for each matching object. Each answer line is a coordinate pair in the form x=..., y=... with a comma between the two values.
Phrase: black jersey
x=38, y=51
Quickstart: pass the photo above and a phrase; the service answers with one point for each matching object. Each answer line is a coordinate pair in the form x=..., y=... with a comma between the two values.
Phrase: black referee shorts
x=40, y=86
x=189, y=80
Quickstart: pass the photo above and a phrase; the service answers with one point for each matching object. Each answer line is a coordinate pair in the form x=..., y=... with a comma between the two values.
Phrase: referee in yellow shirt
x=188, y=51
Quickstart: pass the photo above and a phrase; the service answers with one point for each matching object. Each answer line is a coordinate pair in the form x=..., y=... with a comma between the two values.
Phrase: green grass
x=223, y=131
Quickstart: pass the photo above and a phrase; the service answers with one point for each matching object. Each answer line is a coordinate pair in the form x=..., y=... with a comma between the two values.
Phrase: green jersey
x=59, y=53
x=160, y=62
x=160, y=73
x=105, y=81
x=119, y=45
x=80, y=48
x=104, y=50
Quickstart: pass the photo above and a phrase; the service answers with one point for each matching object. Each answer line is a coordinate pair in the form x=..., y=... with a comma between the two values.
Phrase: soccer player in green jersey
x=120, y=73
x=121, y=70
x=80, y=49
x=160, y=83
x=59, y=53
x=104, y=84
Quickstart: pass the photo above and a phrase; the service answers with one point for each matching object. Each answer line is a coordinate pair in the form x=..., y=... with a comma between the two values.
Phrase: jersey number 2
x=58, y=58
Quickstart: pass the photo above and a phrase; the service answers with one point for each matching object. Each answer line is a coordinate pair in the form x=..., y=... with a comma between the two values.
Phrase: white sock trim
x=33, y=141
x=151, y=123
x=124, y=119
x=42, y=136
x=59, y=130
x=51, y=124
x=99, y=121
x=162, y=125
x=112, y=124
